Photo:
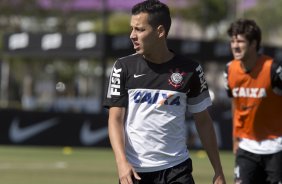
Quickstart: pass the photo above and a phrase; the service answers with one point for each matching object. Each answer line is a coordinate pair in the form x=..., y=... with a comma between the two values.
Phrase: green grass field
x=66, y=165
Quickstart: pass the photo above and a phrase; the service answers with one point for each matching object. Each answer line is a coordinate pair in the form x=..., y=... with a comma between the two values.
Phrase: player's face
x=241, y=47
x=143, y=35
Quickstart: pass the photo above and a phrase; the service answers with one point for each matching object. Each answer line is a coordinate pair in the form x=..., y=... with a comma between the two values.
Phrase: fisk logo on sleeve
x=279, y=72
x=115, y=81
x=202, y=78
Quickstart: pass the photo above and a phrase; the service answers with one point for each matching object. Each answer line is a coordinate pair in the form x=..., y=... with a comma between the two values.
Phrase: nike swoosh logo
x=136, y=76
x=90, y=137
x=18, y=134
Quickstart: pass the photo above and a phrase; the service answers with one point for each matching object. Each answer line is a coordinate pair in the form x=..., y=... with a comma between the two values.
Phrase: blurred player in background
x=147, y=98
x=254, y=81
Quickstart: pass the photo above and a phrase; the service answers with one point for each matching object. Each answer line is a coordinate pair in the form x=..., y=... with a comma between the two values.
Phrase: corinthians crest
x=176, y=78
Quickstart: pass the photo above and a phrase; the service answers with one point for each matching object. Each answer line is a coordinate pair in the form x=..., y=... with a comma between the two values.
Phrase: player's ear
x=254, y=44
x=161, y=31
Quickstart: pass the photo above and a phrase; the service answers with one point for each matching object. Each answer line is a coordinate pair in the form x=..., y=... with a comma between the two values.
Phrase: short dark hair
x=159, y=13
x=248, y=28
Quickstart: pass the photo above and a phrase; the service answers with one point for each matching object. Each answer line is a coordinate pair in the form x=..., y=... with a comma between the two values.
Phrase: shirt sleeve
x=116, y=93
x=276, y=77
x=198, y=98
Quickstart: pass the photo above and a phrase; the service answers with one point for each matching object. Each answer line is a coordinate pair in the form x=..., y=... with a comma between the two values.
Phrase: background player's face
x=143, y=36
x=241, y=47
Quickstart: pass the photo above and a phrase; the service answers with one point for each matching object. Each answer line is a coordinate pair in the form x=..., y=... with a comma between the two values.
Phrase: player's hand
x=235, y=146
x=219, y=179
x=126, y=173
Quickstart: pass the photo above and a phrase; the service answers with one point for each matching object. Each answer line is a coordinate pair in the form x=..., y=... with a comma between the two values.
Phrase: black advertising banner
x=84, y=130
x=91, y=44
x=56, y=129
x=53, y=44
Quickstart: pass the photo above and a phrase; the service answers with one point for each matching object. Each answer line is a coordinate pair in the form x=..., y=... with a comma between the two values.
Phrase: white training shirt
x=156, y=97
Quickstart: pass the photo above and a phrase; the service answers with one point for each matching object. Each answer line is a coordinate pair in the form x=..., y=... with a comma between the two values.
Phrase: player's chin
x=238, y=56
x=139, y=51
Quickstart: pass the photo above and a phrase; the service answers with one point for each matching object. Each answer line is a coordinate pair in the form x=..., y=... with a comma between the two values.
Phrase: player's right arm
x=235, y=139
x=229, y=94
x=116, y=135
x=116, y=101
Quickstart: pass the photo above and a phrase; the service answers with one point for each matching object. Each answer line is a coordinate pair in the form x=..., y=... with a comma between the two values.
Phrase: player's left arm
x=207, y=135
x=198, y=100
x=276, y=77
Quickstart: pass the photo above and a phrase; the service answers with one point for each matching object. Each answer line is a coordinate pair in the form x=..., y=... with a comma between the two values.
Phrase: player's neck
x=249, y=63
x=160, y=56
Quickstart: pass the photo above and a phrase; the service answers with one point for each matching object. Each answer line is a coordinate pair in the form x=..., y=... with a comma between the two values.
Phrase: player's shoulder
x=232, y=66
x=129, y=61
x=266, y=57
x=186, y=61
x=233, y=62
x=129, y=58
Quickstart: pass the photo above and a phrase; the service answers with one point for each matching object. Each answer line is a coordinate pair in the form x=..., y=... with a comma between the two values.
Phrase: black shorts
x=180, y=174
x=253, y=168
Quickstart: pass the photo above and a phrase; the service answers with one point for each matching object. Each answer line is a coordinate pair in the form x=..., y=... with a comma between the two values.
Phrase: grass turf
x=67, y=165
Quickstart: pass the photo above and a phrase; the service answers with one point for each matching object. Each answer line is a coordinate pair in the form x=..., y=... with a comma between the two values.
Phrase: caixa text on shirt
x=156, y=98
x=249, y=92
x=115, y=81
